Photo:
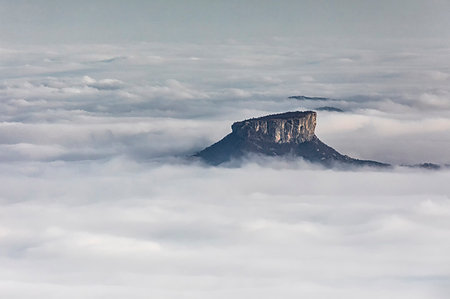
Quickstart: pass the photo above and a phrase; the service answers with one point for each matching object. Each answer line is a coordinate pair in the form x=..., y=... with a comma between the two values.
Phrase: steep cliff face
x=290, y=133
x=294, y=127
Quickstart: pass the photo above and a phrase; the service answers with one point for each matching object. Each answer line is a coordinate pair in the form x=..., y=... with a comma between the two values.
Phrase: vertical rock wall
x=291, y=127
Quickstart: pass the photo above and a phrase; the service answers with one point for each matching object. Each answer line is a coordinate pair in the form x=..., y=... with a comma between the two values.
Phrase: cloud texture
x=122, y=229
x=97, y=199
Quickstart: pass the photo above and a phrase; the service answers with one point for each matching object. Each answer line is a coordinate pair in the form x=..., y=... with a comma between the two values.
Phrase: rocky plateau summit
x=284, y=134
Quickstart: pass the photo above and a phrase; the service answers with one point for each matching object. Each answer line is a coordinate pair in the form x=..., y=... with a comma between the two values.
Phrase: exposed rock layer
x=294, y=127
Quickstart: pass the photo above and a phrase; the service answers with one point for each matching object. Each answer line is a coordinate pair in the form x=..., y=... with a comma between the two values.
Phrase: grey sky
x=200, y=20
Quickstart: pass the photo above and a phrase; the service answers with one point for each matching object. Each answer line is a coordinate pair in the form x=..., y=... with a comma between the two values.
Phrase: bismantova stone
x=290, y=133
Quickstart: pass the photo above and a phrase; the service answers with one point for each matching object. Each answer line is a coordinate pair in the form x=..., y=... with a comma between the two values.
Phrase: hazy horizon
x=206, y=21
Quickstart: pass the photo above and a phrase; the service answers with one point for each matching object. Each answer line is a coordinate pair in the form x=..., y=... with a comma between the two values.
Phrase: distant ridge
x=329, y=109
x=308, y=98
x=289, y=133
x=427, y=165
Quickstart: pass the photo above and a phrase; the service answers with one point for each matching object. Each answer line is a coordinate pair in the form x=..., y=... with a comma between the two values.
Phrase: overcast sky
x=205, y=20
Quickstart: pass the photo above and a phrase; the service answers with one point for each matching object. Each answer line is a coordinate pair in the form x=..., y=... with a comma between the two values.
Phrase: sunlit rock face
x=290, y=127
x=285, y=134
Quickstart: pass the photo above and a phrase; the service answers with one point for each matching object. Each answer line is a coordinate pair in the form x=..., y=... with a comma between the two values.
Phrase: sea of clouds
x=98, y=200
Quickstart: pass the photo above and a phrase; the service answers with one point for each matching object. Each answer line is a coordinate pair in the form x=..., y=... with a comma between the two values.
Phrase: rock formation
x=290, y=127
x=290, y=133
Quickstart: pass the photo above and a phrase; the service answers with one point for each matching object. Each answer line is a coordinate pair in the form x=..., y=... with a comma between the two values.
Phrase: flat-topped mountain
x=290, y=133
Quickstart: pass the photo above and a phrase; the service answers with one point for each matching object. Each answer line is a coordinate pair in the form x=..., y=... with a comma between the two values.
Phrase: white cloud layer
x=121, y=229
x=97, y=200
x=114, y=98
